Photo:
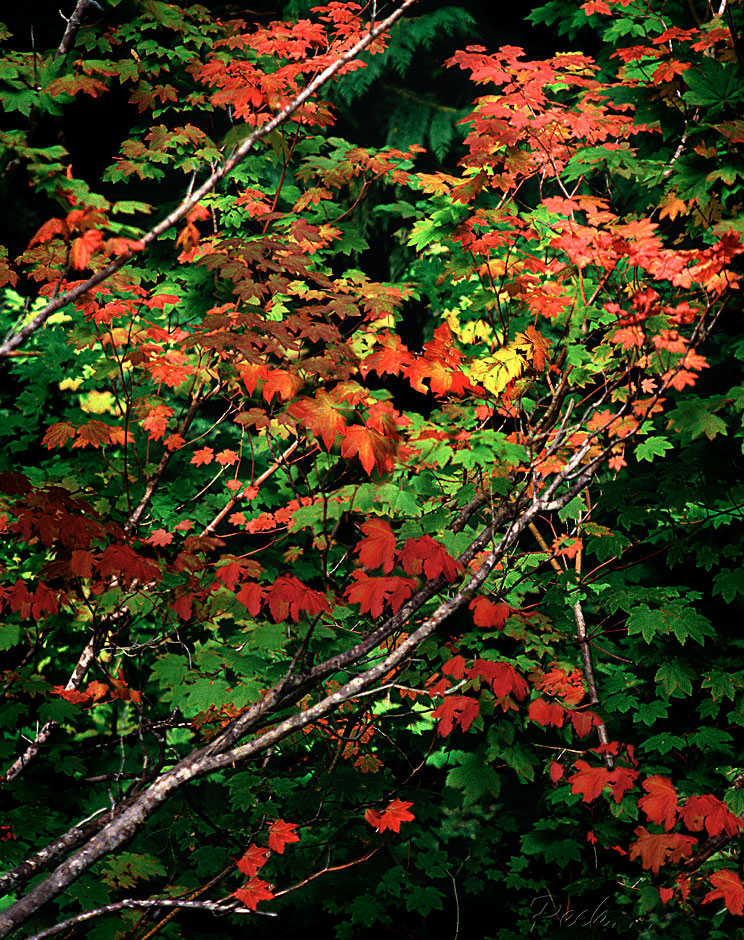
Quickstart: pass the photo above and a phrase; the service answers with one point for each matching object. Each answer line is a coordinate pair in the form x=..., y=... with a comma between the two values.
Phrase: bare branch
x=207, y=186
x=215, y=907
x=73, y=25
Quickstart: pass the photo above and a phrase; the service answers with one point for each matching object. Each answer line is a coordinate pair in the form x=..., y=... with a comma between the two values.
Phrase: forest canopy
x=371, y=419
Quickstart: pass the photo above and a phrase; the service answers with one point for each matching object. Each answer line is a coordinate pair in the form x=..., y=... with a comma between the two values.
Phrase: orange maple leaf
x=319, y=416
x=660, y=806
x=371, y=447
x=396, y=813
x=377, y=549
x=657, y=849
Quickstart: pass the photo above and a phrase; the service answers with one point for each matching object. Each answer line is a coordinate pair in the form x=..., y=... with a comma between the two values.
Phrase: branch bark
x=73, y=25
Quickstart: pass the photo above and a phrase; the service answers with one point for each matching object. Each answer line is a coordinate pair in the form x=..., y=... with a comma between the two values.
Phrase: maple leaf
x=582, y=721
x=45, y=601
x=253, y=892
x=397, y=812
x=289, y=596
x=709, y=811
x=727, y=887
x=556, y=771
x=488, y=614
x=74, y=696
x=227, y=458
x=391, y=358
x=57, y=434
x=373, y=593
x=253, y=859
x=156, y=421
x=371, y=447
x=251, y=595
x=539, y=345
x=660, y=806
x=280, y=834
x=655, y=850
x=455, y=667
x=502, y=677
x=570, y=687
x=456, y=709
x=588, y=781
x=282, y=383
x=546, y=713
x=81, y=563
x=434, y=558
x=202, y=456
x=183, y=606
x=84, y=246
x=377, y=549
x=94, y=433
x=320, y=416
x=160, y=537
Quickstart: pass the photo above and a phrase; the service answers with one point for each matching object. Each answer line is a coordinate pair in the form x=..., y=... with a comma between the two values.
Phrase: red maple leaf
x=657, y=849
x=159, y=537
x=156, y=421
x=252, y=596
x=253, y=892
x=57, y=434
x=290, y=597
x=502, y=677
x=588, y=781
x=253, y=859
x=728, y=887
x=546, y=713
x=280, y=834
x=373, y=593
x=456, y=710
x=556, y=771
x=709, y=811
x=396, y=813
x=660, y=806
x=227, y=458
x=455, y=667
x=377, y=549
x=433, y=557
x=372, y=448
x=488, y=614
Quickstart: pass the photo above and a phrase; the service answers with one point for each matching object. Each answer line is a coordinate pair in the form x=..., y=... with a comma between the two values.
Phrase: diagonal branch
x=193, y=198
x=73, y=25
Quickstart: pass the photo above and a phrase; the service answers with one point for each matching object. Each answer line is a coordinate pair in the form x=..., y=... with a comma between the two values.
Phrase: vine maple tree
x=292, y=596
